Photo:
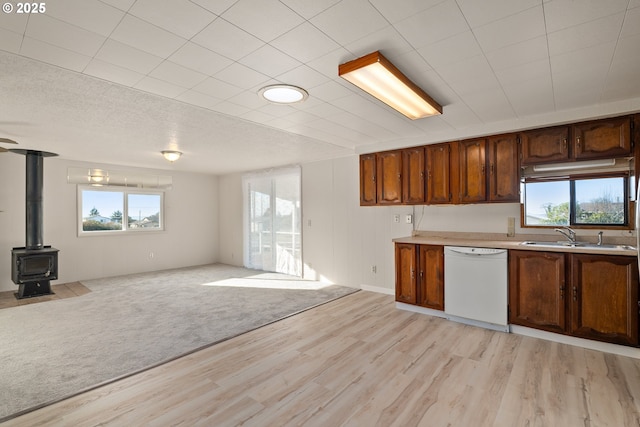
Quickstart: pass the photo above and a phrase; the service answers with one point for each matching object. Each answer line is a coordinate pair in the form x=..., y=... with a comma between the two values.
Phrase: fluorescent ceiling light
x=283, y=94
x=171, y=155
x=377, y=76
x=574, y=165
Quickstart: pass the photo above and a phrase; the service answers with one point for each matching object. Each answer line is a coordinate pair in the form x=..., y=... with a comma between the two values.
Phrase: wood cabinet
x=504, y=168
x=472, y=171
x=537, y=290
x=439, y=173
x=604, y=298
x=431, y=276
x=581, y=141
x=583, y=295
x=389, y=177
x=545, y=145
x=406, y=260
x=413, y=175
x=602, y=138
x=368, y=180
x=420, y=275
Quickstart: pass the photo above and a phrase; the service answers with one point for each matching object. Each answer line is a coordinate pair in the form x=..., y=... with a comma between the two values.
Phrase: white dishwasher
x=475, y=286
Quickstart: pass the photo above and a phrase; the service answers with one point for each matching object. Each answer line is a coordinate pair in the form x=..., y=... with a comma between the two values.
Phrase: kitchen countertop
x=501, y=241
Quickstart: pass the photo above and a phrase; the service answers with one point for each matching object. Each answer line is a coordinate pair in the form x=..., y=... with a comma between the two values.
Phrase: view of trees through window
x=103, y=210
x=600, y=201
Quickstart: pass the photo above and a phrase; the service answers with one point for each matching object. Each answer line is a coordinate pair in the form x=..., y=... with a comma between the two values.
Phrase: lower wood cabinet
x=420, y=275
x=588, y=296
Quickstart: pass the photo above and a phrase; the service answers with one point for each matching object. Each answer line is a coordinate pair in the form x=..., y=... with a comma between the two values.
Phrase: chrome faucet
x=568, y=233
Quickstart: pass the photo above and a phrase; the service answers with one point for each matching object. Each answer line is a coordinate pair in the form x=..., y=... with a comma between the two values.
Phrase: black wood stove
x=35, y=265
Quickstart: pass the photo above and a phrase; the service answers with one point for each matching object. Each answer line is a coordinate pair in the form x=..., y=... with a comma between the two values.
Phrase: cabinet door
x=406, y=273
x=438, y=168
x=367, y=179
x=504, y=171
x=602, y=138
x=545, y=145
x=473, y=177
x=413, y=177
x=537, y=290
x=604, y=298
x=389, y=177
x=431, y=276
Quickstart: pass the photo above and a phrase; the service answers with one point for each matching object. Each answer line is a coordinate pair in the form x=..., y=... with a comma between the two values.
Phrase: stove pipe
x=34, y=218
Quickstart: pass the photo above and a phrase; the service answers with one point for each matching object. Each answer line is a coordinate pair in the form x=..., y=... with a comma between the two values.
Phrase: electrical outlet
x=396, y=218
x=374, y=269
x=408, y=219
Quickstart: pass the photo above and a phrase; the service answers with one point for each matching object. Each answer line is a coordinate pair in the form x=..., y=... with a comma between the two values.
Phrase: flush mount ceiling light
x=171, y=155
x=283, y=94
x=377, y=76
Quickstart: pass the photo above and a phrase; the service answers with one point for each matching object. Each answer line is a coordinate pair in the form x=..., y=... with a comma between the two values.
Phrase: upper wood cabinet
x=504, y=170
x=389, y=177
x=472, y=171
x=439, y=173
x=545, y=145
x=413, y=175
x=596, y=139
x=368, y=180
x=488, y=169
x=602, y=138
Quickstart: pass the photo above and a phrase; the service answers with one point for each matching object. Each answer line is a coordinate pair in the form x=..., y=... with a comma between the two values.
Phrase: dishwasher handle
x=463, y=250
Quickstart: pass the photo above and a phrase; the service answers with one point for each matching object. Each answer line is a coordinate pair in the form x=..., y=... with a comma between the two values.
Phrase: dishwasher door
x=475, y=286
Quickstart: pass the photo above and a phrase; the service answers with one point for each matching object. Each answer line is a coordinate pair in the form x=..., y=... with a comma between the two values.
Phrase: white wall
x=190, y=238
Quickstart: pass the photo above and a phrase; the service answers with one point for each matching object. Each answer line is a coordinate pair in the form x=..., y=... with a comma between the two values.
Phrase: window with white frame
x=109, y=211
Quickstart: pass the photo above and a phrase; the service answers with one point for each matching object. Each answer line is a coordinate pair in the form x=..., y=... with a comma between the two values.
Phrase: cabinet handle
x=575, y=294
x=491, y=168
x=413, y=274
x=562, y=292
x=564, y=144
x=422, y=174
x=399, y=177
x=578, y=141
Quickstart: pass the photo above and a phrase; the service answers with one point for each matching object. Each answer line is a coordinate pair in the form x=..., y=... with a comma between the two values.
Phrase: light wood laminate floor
x=359, y=361
x=61, y=291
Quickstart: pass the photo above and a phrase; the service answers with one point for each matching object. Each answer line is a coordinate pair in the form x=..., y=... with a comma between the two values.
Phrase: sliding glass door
x=272, y=231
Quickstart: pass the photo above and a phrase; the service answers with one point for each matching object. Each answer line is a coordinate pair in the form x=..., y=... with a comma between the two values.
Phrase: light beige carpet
x=59, y=348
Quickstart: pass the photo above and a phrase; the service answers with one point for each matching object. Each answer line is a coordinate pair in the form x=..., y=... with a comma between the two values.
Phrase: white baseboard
x=378, y=289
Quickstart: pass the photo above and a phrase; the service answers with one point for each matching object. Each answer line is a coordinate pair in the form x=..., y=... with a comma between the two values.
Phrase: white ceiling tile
x=200, y=59
x=387, y=40
x=396, y=11
x=328, y=64
x=120, y=4
x=197, y=98
x=269, y=61
x=584, y=35
x=458, y=115
x=431, y=25
x=51, y=54
x=277, y=110
x=479, y=13
x=215, y=6
x=514, y=29
x=67, y=36
x=265, y=19
x=217, y=35
x=490, y=106
x=520, y=53
x=159, y=87
x=531, y=97
x=631, y=26
x=181, y=17
x=305, y=43
x=92, y=15
x=470, y=76
x=128, y=57
x=581, y=63
x=112, y=73
x=303, y=76
x=147, y=37
x=14, y=22
x=634, y=4
x=564, y=14
x=329, y=91
x=525, y=72
x=10, y=41
x=451, y=50
x=309, y=8
x=241, y=76
x=217, y=88
x=229, y=108
x=337, y=22
x=257, y=116
x=177, y=75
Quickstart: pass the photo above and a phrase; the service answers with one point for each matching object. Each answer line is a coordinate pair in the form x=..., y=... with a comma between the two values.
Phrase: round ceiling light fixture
x=283, y=94
x=171, y=155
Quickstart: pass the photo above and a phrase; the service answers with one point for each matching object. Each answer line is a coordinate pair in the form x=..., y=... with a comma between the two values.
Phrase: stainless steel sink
x=582, y=245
